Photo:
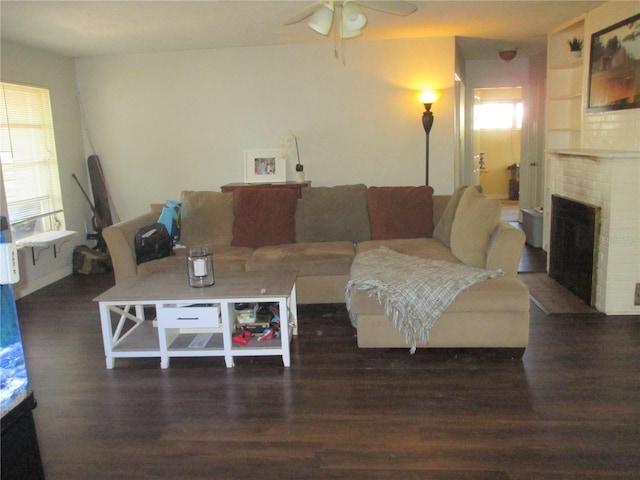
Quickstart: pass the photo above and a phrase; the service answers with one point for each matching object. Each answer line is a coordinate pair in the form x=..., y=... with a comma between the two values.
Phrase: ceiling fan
x=352, y=19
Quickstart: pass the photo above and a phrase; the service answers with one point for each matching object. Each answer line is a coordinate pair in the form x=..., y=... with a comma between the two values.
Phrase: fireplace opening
x=575, y=227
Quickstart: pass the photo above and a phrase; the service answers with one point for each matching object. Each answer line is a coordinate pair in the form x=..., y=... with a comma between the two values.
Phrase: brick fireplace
x=610, y=181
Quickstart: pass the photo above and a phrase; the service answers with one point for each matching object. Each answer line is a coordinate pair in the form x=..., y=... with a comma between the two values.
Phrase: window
x=29, y=162
x=498, y=116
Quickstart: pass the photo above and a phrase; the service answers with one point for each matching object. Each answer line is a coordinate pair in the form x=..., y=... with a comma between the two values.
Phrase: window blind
x=28, y=156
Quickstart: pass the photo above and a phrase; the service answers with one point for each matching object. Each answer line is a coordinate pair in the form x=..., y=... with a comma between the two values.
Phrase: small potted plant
x=575, y=47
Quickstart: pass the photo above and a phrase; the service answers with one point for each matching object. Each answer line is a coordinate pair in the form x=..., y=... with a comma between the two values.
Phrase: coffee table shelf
x=183, y=312
x=181, y=343
x=178, y=346
x=142, y=338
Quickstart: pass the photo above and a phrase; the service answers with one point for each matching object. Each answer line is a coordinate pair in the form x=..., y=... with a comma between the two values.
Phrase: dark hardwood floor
x=532, y=259
x=569, y=409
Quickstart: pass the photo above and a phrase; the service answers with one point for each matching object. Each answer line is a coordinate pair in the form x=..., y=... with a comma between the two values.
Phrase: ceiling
x=90, y=28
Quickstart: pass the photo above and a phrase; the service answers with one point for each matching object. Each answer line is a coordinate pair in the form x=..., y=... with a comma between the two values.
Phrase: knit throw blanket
x=415, y=291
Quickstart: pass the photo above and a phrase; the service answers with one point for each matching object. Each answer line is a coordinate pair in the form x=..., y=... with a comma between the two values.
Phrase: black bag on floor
x=153, y=242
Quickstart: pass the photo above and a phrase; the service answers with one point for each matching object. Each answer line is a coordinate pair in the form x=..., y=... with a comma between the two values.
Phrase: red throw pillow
x=400, y=212
x=264, y=216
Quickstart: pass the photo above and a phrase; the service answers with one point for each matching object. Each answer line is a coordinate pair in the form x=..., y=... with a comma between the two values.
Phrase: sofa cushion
x=207, y=218
x=400, y=212
x=442, y=231
x=309, y=259
x=331, y=214
x=418, y=247
x=476, y=218
x=225, y=259
x=264, y=216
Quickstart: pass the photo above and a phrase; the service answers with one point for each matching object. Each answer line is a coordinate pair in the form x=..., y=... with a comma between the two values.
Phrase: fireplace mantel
x=596, y=155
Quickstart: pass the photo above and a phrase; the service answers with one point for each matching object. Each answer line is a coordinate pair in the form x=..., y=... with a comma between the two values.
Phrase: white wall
x=34, y=67
x=166, y=122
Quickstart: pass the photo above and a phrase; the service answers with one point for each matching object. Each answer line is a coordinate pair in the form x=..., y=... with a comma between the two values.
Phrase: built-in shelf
x=565, y=105
x=597, y=155
x=573, y=96
x=570, y=65
x=565, y=92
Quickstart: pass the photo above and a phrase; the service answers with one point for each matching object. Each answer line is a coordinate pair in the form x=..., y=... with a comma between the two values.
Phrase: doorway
x=497, y=145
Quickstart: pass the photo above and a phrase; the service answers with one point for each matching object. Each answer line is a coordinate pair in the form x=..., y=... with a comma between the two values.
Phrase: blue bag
x=170, y=218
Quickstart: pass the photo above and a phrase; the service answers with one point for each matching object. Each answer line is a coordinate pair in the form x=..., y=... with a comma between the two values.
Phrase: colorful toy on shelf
x=266, y=335
x=242, y=337
x=273, y=331
x=275, y=326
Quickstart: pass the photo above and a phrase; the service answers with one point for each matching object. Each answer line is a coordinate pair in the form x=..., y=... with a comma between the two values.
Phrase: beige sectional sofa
x=319, y=235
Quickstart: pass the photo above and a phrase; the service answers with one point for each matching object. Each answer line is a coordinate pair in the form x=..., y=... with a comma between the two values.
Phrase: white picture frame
x=264, y=166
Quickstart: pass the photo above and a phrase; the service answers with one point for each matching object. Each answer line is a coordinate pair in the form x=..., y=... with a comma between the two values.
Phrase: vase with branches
x=292, y=139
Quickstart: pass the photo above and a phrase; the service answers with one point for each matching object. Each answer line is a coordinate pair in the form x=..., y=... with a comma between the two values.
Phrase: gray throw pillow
x=329, y=214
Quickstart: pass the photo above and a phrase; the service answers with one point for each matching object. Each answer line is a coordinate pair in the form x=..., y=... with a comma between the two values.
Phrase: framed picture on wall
x=614, y=67
x=264, y=166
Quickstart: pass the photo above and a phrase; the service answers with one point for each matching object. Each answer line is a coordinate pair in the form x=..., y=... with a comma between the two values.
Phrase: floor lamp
x=428, y=98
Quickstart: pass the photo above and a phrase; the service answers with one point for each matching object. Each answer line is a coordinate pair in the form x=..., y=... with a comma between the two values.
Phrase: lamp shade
x=428, y=96
x=322, y=19
x=344, y=33
x=353, y=17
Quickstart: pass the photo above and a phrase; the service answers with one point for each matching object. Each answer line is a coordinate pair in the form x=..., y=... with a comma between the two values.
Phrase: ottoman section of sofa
x=501, y=294
x=490, y=314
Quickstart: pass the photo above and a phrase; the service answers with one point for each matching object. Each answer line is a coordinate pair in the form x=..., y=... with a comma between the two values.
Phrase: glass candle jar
x=200, y=267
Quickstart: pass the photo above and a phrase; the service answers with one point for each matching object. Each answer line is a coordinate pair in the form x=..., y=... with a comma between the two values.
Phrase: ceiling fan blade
x=394, y=8
x=304, y=13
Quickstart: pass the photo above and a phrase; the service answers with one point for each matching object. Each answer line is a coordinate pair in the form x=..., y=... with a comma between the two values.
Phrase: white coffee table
x=193, y=322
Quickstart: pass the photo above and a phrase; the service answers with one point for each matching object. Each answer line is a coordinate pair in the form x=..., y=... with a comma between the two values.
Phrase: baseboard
x=23, y=289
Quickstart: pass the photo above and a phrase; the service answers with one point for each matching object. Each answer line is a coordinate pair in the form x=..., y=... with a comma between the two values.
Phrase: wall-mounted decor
x=264, y=166
x=614, y=67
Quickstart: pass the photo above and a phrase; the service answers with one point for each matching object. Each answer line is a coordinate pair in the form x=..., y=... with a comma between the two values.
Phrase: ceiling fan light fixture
x=353, y=18
x=346, y=33
x=350, y=17
x=322, y=19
